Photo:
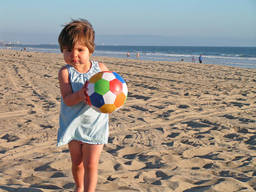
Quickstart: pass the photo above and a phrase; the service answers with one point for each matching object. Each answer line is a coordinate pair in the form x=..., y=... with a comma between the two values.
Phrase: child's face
x=78, y=55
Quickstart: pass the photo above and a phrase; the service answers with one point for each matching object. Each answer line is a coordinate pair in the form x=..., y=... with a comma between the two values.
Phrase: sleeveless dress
x=81, y=122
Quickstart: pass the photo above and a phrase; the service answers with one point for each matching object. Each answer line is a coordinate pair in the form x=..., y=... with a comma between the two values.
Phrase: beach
x=185, y=127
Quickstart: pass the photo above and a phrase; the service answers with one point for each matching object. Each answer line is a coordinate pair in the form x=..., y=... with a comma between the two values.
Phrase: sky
x=134, y=22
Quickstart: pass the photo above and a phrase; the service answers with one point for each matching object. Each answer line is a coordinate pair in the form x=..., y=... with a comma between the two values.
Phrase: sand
x=185, y=127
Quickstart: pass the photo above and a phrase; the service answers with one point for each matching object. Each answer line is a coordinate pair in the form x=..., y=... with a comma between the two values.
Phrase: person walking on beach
x=81, y=127
x=137, y=55
x=200, y=59
x=193, y=59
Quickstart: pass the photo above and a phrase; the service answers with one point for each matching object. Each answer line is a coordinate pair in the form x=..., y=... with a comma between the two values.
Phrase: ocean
x=242, y=57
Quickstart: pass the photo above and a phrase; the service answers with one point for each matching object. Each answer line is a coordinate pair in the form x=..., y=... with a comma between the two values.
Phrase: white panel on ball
x=109, y=98
x=108, y=76
x=125, y=88
x=90, y=89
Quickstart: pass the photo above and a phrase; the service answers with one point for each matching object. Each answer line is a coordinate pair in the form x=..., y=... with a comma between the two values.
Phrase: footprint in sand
x=58, y=174
x=45, y=167
x=10, y=138
x=2, y=150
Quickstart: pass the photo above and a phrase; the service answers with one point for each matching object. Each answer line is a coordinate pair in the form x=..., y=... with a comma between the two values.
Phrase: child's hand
x=81, y=94
x=85, y=92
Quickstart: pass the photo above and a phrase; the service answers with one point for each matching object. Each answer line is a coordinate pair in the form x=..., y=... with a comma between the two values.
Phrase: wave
x=162, y=50
x=242, y=57
x=166, y=55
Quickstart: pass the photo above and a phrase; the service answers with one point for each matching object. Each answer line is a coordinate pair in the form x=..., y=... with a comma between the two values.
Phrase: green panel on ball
x=101, y=86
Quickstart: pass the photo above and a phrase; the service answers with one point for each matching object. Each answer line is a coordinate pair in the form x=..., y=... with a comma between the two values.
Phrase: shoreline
x=148, y=54
x=184, y=127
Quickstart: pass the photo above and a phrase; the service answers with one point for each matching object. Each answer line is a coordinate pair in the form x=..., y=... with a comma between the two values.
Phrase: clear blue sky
x=163, y=22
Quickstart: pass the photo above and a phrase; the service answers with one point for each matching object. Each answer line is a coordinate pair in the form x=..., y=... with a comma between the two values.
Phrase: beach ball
x=106, y=91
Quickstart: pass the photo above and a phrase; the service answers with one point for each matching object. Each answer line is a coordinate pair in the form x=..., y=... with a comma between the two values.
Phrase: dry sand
x=185, y=127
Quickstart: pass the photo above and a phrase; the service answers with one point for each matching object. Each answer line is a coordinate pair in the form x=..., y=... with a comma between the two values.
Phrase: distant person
x=200, y=59
x=182, y=59
x=137, y=55
x=81, y=127
x=193, y=59
x=128, y=54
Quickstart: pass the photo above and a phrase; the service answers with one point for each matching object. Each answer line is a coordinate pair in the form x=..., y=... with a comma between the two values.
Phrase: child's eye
x=67, y=50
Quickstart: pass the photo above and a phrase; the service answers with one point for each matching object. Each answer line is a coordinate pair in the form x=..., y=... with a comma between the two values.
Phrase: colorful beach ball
x=106, y=91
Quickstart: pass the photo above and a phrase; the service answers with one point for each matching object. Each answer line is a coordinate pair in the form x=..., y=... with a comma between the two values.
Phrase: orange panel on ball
x=120, y=100
x=108, y=108
x=96, y=77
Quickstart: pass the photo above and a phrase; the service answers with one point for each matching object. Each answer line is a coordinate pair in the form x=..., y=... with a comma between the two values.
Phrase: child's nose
x=74, y=54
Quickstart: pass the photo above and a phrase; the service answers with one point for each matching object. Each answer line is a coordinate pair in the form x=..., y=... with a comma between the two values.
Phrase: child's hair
x=77, y=31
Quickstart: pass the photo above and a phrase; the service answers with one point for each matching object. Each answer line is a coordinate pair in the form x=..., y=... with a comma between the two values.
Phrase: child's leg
x=75, y=148
x=91, y=156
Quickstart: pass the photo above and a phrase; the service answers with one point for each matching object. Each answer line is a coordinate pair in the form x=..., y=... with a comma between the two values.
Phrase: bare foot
x=79, y=189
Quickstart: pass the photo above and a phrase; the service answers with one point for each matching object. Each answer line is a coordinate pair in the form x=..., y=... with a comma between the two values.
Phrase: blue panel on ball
x=97, y=100
x=119, y=77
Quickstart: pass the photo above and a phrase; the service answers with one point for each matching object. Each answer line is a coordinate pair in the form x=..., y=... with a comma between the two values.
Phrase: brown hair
x=77, y=31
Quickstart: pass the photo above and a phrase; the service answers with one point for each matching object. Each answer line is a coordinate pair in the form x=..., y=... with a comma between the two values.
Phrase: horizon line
x=2, y=43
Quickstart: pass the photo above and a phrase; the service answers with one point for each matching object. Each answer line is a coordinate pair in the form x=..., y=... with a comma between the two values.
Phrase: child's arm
x=67, y=94
x=103, y=67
